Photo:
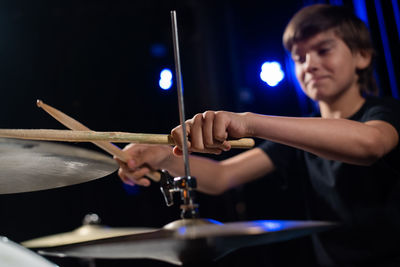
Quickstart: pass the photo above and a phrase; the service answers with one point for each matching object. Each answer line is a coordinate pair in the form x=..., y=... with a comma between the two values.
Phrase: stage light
x=165, y=82
x=271, y=73
x=158, y=50
x=166, y=74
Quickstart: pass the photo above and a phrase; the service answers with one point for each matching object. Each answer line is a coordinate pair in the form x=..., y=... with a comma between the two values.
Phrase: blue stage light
x=165, y=82
x=360, y=9
x=272, y=73
x=166, y=74
x=158, y=50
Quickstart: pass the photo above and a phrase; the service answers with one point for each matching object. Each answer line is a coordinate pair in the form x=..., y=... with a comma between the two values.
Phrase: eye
x=323, y=51
x=299, y=58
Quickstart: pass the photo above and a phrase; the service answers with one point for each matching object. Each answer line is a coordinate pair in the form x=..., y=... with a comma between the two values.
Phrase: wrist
x=248, y=119
x=169, y=158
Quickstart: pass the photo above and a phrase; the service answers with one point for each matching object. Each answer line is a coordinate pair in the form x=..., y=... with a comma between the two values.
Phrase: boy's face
x=326, y=67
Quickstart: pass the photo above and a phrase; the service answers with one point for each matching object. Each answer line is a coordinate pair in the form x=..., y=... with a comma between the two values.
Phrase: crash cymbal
x=35, y=165
x=83, y=234
x=192, y=243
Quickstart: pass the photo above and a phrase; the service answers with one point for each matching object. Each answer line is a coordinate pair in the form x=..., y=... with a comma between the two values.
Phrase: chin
x=318, y=94
x=312, y=94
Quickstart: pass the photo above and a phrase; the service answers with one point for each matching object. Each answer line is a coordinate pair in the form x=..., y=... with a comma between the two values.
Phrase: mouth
x=314, y=80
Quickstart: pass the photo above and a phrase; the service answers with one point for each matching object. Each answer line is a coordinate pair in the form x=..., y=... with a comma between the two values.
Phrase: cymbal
x=189, y=243
x=83, y=234
x=90, y=232
x=36, y=165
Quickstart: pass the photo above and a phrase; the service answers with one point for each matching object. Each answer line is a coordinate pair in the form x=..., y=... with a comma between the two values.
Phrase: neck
x=344, y=106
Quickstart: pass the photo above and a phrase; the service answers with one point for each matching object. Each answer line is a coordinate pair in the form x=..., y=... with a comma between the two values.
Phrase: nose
x=311, y=63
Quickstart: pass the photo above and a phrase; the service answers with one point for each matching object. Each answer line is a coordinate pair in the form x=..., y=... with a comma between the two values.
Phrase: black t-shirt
x=364, y=199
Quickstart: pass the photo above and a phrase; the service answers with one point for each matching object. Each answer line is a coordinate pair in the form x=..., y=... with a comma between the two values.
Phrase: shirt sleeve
x=387, y=110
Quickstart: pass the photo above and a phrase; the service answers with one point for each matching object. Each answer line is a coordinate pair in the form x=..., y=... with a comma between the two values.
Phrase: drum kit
x=30, y=165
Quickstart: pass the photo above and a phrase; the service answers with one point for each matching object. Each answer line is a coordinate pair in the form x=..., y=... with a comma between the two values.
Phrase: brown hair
x=315, y=19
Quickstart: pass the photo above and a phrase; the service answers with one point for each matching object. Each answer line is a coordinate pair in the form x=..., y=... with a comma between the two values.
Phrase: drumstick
x=77, y=126
x=92, y=136
x=73, y=124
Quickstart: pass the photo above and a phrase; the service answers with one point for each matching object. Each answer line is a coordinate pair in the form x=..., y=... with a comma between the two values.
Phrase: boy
x=350, y=153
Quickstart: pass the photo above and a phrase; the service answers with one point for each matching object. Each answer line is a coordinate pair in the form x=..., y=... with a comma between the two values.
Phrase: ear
x=363, y=59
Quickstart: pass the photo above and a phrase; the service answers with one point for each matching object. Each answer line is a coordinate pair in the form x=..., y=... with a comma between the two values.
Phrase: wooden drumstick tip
x=39, y=103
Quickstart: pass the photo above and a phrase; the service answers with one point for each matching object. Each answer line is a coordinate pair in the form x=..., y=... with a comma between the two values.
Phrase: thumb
x=177, y=151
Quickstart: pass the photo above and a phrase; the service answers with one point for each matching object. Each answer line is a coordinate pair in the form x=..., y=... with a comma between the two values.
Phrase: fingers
x=133, y=176
x=215, y=130
x=196, y=133
x=220, y=132
x=207, y=133
x=177, y=151
x=135, y=153
x=208, y=127
x=176, y=134
x=221, y=123
x=133, y=171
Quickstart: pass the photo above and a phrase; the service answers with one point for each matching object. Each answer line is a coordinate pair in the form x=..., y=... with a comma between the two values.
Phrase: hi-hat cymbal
x=191, y=242
x=34, y=165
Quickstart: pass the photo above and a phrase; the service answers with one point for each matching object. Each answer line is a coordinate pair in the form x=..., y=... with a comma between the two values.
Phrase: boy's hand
x=143, y=159
x=208, y=132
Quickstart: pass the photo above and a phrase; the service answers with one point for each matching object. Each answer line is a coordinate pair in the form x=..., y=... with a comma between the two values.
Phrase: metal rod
x=179, y=87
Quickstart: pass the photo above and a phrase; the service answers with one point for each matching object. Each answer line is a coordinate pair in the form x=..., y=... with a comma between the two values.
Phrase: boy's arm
x=337, y=139
x=213, y=177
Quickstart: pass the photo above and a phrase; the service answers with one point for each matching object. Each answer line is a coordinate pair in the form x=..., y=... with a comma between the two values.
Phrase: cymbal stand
x=186, y=187
x=185, y=184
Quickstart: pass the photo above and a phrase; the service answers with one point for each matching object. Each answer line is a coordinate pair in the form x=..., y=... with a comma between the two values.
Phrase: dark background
x=95, y=61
